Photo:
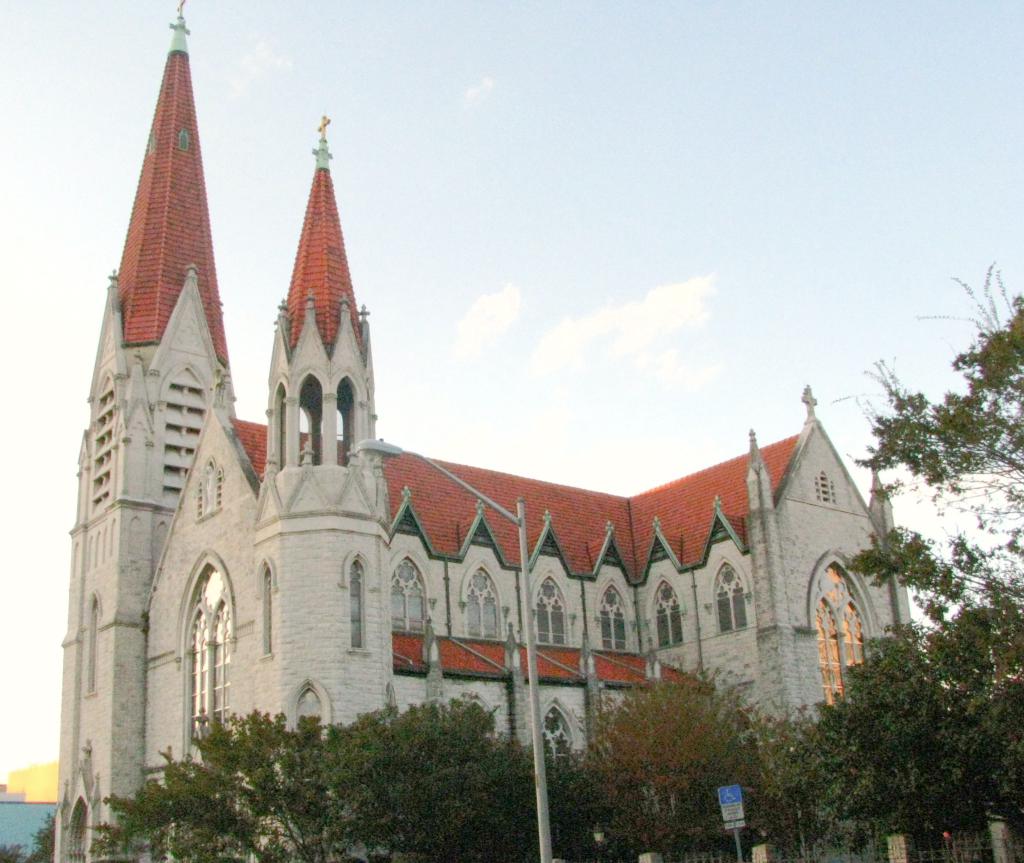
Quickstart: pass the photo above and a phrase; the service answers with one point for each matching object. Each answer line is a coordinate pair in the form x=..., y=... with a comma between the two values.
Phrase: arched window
x=311, y=414
x=211, y=489
x=309, y=704
x=550, y=614
x=94, y=627
x=730, y=599
x=281, y=416
x=183, y=139
x=853, y=636
x=482, y=606
x=613, y=621
x=840, y=631
x=103, y=446
x=355, y=600
x=828, y=653
x=557, y=736
x=407, y=599
x=346, y=432
x=210, y=651
x=669, y=616
x=268, y=611
x=75, y=844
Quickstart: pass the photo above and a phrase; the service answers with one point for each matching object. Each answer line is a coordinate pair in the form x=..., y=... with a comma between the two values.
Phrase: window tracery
x=482, y=606
x=668, y=616
x=557, y=735
x=613, y=621
x=407, y=599
x=730, y=599
x=210, y=652
x=550, y=614
x=75, y=842
x=840, y=632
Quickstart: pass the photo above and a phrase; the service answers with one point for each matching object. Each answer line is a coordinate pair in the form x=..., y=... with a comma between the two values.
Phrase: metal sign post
x=730, y=799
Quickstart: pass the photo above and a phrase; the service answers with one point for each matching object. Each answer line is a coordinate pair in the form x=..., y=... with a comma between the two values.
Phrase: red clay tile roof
x=477, y=657
x=253, y=437
x=684, y=507
x=170, y=224
x=321, y=267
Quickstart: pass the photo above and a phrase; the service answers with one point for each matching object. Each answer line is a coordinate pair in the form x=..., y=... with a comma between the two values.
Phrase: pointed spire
x=321, y=267
x=170, y=222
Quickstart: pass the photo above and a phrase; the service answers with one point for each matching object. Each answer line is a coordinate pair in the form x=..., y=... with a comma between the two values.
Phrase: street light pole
x=540, y=779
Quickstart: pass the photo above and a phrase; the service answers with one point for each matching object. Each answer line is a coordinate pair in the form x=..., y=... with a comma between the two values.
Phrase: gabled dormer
x=321, y=378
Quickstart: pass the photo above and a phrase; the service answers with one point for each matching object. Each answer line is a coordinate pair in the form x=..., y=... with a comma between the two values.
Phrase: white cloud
x=488, y=317
x=478, y=92
x=635, y=330
x=259, y=61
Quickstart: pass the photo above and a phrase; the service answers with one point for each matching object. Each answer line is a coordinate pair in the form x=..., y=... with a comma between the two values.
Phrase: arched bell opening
x=346, y=416
x=311, y=414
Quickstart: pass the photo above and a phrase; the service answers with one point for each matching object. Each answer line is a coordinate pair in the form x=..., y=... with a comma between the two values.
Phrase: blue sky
x=599, y=241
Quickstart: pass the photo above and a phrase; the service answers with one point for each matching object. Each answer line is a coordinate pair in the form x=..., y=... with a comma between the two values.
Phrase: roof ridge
x=549, y=483
x=711, y=467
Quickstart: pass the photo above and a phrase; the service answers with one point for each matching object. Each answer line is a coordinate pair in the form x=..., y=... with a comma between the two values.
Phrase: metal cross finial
x=181, y=8
x=325, y=121
x=810, y=401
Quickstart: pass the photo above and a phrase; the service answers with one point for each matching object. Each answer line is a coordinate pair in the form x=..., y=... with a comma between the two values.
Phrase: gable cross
x=325, y=121
x=810, y=401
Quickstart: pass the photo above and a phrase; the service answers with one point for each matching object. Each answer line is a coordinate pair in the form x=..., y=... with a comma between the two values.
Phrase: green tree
x=436, y=781
x=12, y=854
x=43, y=842
x=661, y=753
x=943, y=705
x=259, y=789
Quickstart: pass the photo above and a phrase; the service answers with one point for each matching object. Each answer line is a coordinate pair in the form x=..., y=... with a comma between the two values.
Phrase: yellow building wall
x=38, y=782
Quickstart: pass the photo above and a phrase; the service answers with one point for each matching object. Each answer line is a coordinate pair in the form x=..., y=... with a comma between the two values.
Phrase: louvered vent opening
x=186, y=409
x=103, y=448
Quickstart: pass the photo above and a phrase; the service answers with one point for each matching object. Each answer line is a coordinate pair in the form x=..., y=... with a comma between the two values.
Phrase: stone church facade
x=221, y=566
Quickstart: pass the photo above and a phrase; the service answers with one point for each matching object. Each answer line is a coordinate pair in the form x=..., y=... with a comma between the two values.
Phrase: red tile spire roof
x=321, y=267
x=170, y=224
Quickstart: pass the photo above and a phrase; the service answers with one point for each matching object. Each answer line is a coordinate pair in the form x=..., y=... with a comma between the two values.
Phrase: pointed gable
x=685, y=507
x=170, y=223
x=321, y=266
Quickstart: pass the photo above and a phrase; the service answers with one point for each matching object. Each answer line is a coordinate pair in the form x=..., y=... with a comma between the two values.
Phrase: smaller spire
x=322, y=153
x=178, y=41
x=809, y=401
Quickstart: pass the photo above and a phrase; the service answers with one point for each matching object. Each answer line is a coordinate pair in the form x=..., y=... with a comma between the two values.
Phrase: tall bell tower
x=161, y=367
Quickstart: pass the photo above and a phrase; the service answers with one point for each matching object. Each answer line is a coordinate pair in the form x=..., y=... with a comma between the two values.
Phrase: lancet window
x=355, y=602
x=210, y=652
x=407, y=599
x=94, y=627
x=557, y=735
x=668, y=616
x=550, y=614
x=613, y=621
x=840, y=632
x=482, y=606
x=268, y=611
x=75, y=842
x=730, y=600
x=824, y=488
x=210, y=494
x=309, y=704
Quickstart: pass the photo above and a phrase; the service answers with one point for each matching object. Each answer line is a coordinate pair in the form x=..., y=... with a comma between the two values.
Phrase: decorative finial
x=657, y=523
x=178, y=42
x=364, y=312
x=609, y=528
x=406, y=494
x=323, y=155
x=718, y=503
x=547, y=516
x=810, y=401
x=479, y=507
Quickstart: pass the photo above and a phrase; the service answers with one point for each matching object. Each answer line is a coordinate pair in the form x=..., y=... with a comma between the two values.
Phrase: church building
x=222, y=566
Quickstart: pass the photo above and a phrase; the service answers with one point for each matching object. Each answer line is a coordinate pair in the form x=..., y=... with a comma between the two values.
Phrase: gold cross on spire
x=325, y=121
x=181, y=8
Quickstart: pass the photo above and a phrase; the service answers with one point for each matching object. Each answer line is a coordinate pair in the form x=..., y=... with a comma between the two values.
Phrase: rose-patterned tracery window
x=408, y=605
x=482, y=606
x=557, y=736
x=550, y=614
x=669, y=616
x=840, y=632
x=613, y=621
x=730, y=599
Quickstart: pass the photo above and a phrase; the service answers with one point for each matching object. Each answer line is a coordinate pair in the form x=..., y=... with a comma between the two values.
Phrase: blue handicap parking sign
x=728, y=794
